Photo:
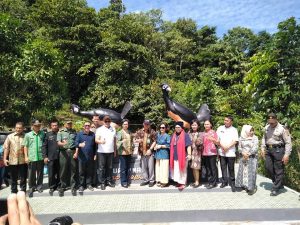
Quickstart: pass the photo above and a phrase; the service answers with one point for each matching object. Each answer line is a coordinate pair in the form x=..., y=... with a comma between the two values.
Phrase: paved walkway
x=169, y=206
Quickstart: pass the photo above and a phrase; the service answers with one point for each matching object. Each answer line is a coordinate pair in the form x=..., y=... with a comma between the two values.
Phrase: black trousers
x=35, y=175
x=53, y=174
x=68, y=173
x=95, y=176
x=275, y=166
x=86, y=170
x=15, y=172
x=210, y=163
x=105, y=167
x=228, y=163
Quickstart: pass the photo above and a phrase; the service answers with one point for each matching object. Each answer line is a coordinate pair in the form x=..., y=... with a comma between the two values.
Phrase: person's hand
x=95, y=157
x=19, y=211
x=64, y=141
x=285, y=159
x=82, y=144
x=75, y=156
x=26, y=159
x=6, y=162
x=46, y=160
x=189, y=157
x=102, y=141
x=263, y=153
x=148, y=152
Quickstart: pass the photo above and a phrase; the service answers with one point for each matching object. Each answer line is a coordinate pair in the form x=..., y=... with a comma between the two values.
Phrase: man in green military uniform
x=276, y=148
x=66, y=141
x=33, y=142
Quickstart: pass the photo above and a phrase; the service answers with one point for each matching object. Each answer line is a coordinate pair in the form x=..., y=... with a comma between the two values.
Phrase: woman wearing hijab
x=248, y=146
x=162, y=149
x=180, y=152
x=197, y=146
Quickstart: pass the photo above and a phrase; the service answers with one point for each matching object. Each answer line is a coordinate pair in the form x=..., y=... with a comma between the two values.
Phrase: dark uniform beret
x=272, y=116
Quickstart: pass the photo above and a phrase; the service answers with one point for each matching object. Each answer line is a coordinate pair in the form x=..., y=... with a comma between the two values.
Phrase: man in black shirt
x=51, y=156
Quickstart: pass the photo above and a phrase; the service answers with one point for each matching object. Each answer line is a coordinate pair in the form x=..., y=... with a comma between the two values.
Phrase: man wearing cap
x=68, y=164
x=276, y=147
x=228, y=138
x=106, y=140
x=14, y=152
x=33, y=142
x=146, y=137
x=51, y=156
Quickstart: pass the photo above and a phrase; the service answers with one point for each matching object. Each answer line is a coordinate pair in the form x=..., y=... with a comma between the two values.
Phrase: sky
x=258, y=15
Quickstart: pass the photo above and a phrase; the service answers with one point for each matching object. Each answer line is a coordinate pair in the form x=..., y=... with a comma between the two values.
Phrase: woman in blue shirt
x=162, y=149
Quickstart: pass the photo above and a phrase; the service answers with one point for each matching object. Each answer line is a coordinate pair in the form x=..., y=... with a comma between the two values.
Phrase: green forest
x=57, y=52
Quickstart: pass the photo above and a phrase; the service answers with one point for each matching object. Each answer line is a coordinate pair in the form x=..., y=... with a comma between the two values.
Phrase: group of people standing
x=85, y=159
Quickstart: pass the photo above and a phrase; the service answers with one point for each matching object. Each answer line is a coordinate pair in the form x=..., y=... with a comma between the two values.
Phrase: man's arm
x=6, y=147
x=45, y=149
x=26, y=145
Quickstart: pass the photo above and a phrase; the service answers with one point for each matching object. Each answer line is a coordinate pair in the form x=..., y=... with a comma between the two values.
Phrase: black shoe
x=274, y=193
x=124, y=185
x=40, y=190
x=210, y=186
x=144, y=183
x=223, y=185
x=111, y=184
x=81, y=189
x=73, y=192
x=233, y=188
x=103, y=186
x=51, y=192
x=252, y=192
x=61, y=193
x=151, y=184
x=30, y=194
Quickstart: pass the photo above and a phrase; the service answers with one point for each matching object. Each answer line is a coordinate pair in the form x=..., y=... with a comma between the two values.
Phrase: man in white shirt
x=106, y=140
x=228, y=138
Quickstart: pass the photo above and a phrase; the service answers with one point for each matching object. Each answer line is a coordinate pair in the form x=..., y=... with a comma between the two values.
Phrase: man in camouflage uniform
x=67, y=162
x=276, y=148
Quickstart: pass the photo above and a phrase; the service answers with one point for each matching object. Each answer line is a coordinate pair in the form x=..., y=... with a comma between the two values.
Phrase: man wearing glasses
x=106, y=140
x=86, y=154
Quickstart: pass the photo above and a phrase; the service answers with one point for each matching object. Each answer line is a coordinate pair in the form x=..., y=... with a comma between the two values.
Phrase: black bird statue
x=178, y=112
x=115, y=116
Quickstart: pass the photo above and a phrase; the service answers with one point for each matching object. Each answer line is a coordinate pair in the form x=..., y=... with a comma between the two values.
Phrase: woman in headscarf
x=162, y=149
x=197, y=146
x=180, y=153
x=248, y=146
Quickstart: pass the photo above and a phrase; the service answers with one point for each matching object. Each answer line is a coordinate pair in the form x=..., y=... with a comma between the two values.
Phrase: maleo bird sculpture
x=178, y=112
x=114, y=116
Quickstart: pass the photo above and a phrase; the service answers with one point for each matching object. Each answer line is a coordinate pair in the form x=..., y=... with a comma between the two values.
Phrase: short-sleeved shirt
x=88, y=151
x=13, y=144
x=109, y=134
x=69, y=135
x=34, y=142
x=226, y=136
x=277, y=136
x=163, y=153
x=188, y=142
